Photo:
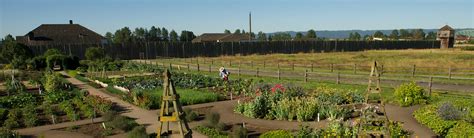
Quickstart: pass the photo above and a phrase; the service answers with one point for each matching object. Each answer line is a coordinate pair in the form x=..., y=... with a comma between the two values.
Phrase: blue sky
x=20, y=16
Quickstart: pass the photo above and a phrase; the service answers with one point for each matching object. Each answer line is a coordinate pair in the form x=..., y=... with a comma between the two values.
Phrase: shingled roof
x=61, y=34
x=446, y=28
x=220, y=37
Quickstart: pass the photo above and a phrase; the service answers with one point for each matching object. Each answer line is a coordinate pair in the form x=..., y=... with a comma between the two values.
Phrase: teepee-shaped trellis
x=170, y=99
x=374, y=121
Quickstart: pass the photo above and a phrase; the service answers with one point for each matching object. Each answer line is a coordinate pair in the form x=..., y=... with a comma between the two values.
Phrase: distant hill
x=337, y=34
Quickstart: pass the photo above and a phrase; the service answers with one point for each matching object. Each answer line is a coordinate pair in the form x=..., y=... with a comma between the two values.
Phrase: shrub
x=277, y=134
x=109, y=116
x=68, y=108
x=212, y=119
x=428, y=116
x=447, y=111
x=7, y=133
x=138, y=132
x=29, y=116
x=210, y=132
x=239, y=132
x=409, y=94
x=190, y=115
x=12, y=119
x=123, y=123
x=461, y=130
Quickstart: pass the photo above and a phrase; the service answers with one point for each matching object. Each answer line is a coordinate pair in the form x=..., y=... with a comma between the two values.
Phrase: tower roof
x=446, y=28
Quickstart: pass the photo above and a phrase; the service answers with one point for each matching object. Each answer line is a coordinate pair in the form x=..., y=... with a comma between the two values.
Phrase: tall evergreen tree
x=164, y=34
x=299, y=35
x=261, y=36
x=173, y=36
x=237, y=31
x=187, y=36
x=123, y=35
x=311, y=34
x=153, y=33
x=227, y=31
x=394, y=35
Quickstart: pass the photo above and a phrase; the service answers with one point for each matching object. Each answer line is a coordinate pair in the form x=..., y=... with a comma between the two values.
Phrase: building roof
x=446, y=28
x=62, y=34
x=220, y=37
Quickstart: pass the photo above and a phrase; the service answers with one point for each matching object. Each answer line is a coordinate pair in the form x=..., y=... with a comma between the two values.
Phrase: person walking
x=224, y=74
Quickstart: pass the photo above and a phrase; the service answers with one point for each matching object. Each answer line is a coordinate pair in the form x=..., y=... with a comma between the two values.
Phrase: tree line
x=402, y=34
x=140, y=34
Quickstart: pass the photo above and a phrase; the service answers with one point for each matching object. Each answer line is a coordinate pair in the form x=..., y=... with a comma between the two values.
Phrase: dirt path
x=149, y=118
x=404, y=114
x=41, y=129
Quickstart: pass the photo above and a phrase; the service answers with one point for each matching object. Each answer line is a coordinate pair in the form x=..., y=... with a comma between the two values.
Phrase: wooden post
x=338, y=78
x=355, y=68
x=230, y=63
x=209, y=68
x=381, y=70
x=257, y=73
x=238, y=71
x=312, y=67
x=413, y=71
x=332, y=67
x=188, y=66
x=306, y=76
x=278, y=72
x=293, y=66
x=430, y=85
x=212, y=61
x=171, y=67
x=198, y=67
x=449, y=72
x=264, y=64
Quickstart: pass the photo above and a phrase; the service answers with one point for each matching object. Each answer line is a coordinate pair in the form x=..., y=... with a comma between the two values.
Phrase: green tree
x=187, y=36
x=282, y=36
x=378, y=34
x=261, y=36
x=237, y=31
x=227, y=31
x=109, y=36
x=431, y=36
x=299, y=35
x=394, y=35
x=405, y=34
x=164, y=34
x=95, y=53
x=139, y=34
x=52, y=51
x=311, y=34
x=154, y=33
x=11, y=50
x=123, y=35
x=173, y=36
x=418, y=34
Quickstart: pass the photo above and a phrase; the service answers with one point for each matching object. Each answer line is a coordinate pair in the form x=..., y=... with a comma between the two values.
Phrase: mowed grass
x=189, y=96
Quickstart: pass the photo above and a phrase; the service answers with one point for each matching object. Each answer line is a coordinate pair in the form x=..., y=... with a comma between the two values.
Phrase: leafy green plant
x=12, y=119
x=8, y=133
x=137, y=132
x=428, y=116
x=123, y=123
x=239, y=132
x=212, y=119
x=68, y=108
x=30, y=118
x=190, y=115
x=461, y=130
x=409, y=94
x=277, y=133
x=210, y=132
x=447, y=111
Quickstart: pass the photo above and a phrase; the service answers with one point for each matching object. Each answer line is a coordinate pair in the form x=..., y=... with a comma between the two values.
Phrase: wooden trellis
x=168, y=115
x=374, y=121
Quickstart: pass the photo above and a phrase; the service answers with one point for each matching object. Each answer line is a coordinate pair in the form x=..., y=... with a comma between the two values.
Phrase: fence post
x=257, y=73
x=311, y=67
x=198, y=67
x=381, y=70
x=212, y=61
x=293, y=66
x=306, y=76
x=230, y=63
x=209, y=68
x=238, y=71
x=188, y=66
x=430, y=85
x=413, y=71
x=449, y=72
x=338, y=77
x=278, y=72
x=264, y=64
x=332, y=67
x=171, y=67
x=355, y=68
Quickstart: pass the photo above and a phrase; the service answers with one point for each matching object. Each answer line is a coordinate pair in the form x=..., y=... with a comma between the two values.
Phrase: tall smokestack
x=250, y=26
x=70, y=21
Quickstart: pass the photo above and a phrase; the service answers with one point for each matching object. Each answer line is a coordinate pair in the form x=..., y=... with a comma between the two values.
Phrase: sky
x=18, y=17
